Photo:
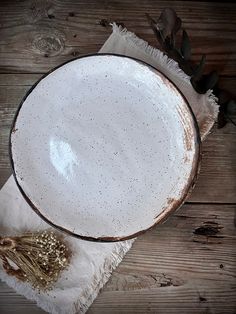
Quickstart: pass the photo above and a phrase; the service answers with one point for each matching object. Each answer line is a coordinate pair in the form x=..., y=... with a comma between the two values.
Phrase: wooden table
x=188, y=264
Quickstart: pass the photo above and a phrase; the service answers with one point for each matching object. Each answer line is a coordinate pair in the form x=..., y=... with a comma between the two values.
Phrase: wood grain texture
x=36, y=36
x=188, y=264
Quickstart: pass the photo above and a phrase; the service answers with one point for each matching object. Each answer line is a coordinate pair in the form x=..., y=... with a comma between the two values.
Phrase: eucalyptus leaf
x=199, y=69
x=185, y=46
x=156, y=31
x=168, y=22
x=211, y=80
x=231, y=107
x=230, y=119
x=221, y=121
x=177, y=25
x=150, y=19
x=227, y=109
x=199, y=85
x=174, y=54
x=165, y=29
x=223, y=96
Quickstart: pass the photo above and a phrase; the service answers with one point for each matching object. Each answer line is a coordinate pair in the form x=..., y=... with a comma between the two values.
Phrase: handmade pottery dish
x=104, y=147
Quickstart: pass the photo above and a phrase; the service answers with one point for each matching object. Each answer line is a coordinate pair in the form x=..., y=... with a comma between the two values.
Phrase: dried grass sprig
x=37, y=258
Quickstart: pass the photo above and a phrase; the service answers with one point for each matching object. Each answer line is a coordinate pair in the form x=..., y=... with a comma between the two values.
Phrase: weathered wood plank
x=217, y=180
x=186, y=265
x=38, y=35
x=18, y=80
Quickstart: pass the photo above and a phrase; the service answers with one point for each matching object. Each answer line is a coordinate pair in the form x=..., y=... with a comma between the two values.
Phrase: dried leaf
x=185, y=46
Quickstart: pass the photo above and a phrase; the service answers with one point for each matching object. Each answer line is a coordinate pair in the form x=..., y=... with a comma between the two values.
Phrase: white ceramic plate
x=104, y=147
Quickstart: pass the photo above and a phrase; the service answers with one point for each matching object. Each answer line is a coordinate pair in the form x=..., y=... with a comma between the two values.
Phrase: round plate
x=104, y=147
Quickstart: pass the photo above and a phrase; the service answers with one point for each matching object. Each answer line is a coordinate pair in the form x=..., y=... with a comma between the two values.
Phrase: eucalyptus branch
x=165, y=29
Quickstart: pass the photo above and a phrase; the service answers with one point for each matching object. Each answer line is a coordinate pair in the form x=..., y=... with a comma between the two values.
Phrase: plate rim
x=166, y=211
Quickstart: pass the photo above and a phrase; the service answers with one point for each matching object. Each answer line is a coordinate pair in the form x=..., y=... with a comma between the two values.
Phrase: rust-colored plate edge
x=173, y=206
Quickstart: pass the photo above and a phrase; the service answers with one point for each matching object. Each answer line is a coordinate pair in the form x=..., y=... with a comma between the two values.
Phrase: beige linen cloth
x=92, y=263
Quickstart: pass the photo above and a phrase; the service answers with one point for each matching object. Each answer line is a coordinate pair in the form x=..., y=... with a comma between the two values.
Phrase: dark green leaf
x=231, y=107
x=186, y=67
x=222, y=95
x=226, y=110
x=153, y=25
x=104, y=22
x=174, y=54
x=231, y=120
x=221, y=121
x=177, y=25
x=197, y=86
x=205, y=83
x=211, y=80
x=150, y=19
x=168, y=22
x=199, y=69
x=185, y=46
x=165, y=30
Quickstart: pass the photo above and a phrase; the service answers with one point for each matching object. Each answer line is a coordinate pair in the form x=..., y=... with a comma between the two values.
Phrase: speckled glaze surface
x=104, y=147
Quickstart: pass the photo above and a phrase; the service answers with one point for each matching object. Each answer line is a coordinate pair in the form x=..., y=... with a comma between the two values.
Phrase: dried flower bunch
x=37, y=258
x=166, y=28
